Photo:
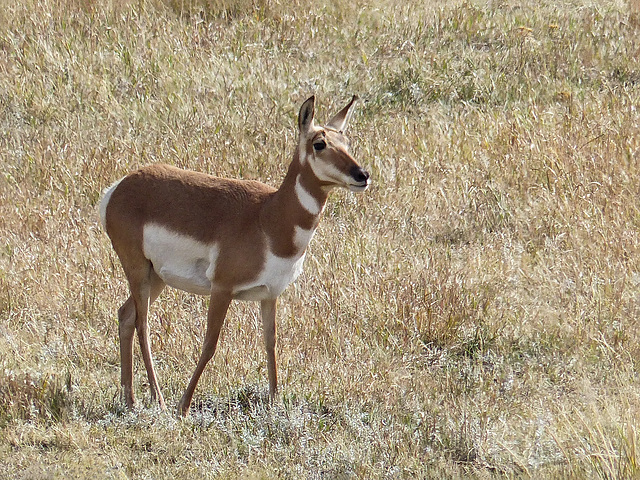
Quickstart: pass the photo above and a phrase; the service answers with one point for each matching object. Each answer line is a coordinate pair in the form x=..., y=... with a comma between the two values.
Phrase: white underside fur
x=180, y=261
x=189, y=265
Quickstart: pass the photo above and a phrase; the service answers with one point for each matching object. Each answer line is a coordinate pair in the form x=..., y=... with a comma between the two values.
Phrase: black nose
x=359, y=175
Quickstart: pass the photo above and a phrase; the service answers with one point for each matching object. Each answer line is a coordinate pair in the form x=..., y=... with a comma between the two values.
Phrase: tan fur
x=245, y=220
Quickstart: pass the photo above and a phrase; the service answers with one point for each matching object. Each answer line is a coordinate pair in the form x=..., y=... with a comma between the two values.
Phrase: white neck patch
x=308, y=202
x=302, y=237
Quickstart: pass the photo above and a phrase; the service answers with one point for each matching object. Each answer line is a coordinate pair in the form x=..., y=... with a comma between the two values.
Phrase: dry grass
x=475, y=314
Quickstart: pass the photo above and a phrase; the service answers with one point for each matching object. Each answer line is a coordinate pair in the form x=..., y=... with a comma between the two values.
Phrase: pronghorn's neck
x=308, y=190
x=291, y=216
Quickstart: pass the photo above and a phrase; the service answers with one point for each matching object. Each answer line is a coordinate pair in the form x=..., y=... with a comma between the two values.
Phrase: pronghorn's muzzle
x=359, y=179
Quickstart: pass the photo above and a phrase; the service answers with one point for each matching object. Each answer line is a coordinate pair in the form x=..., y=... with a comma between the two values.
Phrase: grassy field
x=475, y=314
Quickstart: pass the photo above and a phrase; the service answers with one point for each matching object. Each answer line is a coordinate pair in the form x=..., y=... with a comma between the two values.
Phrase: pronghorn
x=230, y=239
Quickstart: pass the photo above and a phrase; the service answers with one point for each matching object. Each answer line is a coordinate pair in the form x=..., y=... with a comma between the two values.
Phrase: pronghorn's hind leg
x=133, y=317
x=126, y=328
x=142, y=326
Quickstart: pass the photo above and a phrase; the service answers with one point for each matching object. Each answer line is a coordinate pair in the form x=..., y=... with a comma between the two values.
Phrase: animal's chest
x=277, y=273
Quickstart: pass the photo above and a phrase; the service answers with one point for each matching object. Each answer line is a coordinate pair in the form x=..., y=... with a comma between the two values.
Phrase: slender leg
x=218, y=306
x=126, y=327
x=127, y=319
x=268, y=312
x=142, y=326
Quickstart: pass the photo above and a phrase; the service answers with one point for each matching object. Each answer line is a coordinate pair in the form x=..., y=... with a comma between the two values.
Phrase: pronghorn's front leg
x=268, y=312
x=218, y=306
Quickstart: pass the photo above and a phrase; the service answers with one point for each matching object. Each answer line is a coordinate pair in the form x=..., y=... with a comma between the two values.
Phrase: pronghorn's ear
x=339, y=122
x=305, y=117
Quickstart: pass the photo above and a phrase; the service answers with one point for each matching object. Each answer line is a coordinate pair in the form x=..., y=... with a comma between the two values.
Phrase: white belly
x=181, y=262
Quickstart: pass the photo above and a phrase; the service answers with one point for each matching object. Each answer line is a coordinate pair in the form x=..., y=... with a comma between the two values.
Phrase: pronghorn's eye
x=319, y=145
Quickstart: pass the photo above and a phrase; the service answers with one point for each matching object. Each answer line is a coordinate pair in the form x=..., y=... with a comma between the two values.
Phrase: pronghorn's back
x=197, y=204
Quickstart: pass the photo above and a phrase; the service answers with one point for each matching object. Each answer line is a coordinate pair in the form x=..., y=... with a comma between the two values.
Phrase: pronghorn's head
x=326, y=149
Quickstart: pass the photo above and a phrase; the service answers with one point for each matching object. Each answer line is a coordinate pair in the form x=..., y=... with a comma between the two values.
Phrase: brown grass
x=473, y=315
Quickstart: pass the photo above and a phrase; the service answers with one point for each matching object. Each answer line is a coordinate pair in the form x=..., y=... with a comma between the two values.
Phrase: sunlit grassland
x=474, y=314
